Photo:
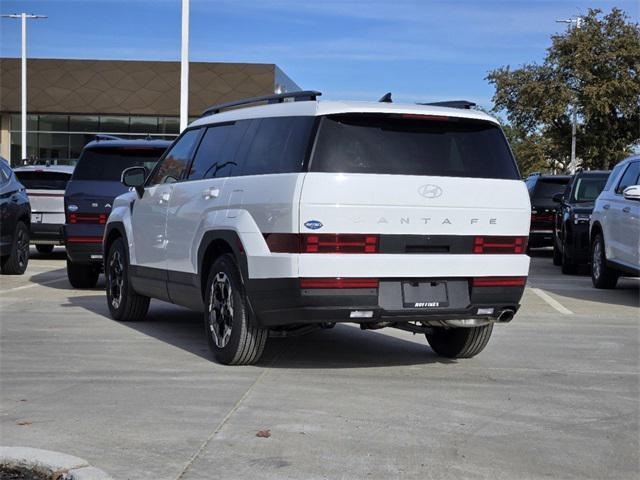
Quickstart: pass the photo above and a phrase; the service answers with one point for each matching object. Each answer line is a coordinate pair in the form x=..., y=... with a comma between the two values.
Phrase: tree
x=593, y=69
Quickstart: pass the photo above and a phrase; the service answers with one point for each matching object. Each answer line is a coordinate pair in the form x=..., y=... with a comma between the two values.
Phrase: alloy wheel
x=221, y=310
x=116, y=279
x=22, y=247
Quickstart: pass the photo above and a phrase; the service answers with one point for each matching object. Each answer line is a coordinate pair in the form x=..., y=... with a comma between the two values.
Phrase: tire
x=557, y=255
x=44, y=248
x=232, y=337
x=601, y=275
x=81, y=275
x=18, y=259
x=569, y=267
x=459, y=342
x=125, y=305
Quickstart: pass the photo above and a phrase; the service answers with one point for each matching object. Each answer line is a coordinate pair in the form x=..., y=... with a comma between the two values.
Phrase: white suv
x=279, y=218
x=615, y=226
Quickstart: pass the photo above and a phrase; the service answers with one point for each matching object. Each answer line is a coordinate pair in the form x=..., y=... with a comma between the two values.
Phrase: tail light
x=323, y=243
x=500, y=244
x=499, y=281
x=339, y=283
x=91, y=218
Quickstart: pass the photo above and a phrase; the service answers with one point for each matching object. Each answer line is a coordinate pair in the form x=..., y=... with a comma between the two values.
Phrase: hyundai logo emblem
x=430, y=191
x=313, y=224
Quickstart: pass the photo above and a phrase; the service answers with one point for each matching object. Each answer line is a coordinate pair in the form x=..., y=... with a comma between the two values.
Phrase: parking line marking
x=551, y=301
x=24, y=287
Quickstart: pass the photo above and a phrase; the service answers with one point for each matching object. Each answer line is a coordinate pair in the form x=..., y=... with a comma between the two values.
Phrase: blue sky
x=348, y=49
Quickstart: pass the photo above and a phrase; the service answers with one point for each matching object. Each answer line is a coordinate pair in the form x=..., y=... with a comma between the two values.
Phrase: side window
x=629, y=178
x=172, y=166
x=279, y=146
x=216, y=154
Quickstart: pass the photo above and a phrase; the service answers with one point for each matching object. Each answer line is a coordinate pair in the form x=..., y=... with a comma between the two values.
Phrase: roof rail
x=466, y=104
x=301, y=96
x=104, y=136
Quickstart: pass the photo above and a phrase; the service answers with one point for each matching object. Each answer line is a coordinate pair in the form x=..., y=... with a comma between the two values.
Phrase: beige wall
x=128, y=87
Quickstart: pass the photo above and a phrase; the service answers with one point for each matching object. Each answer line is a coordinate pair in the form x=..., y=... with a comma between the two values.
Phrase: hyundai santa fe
x=275, y=219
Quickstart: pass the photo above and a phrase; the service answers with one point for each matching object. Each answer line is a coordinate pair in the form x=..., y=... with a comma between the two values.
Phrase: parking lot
x=554, y=395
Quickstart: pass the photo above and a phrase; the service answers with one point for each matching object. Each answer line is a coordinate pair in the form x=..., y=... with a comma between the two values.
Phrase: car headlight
x=581, y=217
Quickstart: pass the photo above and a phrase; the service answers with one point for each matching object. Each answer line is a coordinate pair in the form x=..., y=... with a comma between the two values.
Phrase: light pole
x=572, y=166
x=184, y=68
x=23, y=84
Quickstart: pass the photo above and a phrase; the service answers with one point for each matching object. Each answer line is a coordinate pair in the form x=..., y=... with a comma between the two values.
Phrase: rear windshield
x=545, y=188
x=44, y=180
x=383, y=144
x=107, y=164
x=587, y=189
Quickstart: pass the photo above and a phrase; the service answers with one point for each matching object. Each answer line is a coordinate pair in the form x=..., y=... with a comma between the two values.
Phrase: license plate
x=36, y=218
x=425, y=294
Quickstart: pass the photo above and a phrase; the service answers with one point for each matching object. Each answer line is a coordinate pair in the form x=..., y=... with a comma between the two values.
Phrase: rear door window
x=588, y=188
x=279, y=145
x=409, y=145
x=107, y=163
x=44, y=180
x=216, y=154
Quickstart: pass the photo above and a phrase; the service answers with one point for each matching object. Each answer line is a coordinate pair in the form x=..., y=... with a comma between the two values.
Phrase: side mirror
x=632, y=192
x=134, y=177
x=558, y=197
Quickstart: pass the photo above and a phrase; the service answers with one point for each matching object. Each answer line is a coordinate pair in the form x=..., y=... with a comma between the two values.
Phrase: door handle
x=626, y=209
x=606, y=206
x=164, y=198
x=211, y=193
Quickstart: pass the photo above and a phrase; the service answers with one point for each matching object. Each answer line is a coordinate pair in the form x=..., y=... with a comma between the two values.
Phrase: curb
x=49, y=462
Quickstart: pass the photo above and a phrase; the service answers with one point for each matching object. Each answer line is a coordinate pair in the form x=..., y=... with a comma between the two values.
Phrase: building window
x=84, y=123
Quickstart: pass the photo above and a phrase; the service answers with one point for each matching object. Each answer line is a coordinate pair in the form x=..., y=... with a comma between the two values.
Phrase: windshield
x=44, y=180
x=587, y=189
x=412, y=145
x=107, y=164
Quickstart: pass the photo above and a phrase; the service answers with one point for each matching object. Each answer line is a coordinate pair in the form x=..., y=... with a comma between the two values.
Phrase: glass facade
x=60, y=138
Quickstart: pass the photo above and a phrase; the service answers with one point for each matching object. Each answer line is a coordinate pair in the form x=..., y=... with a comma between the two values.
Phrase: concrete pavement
x=554, y=395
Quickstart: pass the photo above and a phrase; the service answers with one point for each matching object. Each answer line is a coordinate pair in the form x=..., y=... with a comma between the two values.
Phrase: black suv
x=15, y=220
x=541, y=190
x=90, y=194
x=571, y=226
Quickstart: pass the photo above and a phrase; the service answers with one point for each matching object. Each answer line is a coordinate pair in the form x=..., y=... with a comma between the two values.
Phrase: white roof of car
x=323, y=107
x=46, y=168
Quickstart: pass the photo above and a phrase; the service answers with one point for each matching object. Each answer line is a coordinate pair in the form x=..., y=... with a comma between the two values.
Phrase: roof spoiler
x=466, y=104
x=301, y=96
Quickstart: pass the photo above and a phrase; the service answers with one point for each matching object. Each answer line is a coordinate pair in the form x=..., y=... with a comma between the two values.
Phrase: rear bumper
x=540, y=238
x=47, y=233
x=281, y=302
x=83, y=243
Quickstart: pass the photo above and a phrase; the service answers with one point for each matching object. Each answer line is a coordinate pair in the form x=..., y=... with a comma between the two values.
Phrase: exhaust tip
x=506, y=315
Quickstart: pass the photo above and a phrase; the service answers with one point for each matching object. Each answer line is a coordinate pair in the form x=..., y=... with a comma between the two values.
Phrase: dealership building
x=70, y=101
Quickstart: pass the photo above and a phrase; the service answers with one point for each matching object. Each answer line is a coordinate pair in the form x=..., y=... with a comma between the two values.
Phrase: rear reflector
x=84, y=240
x=323, y=243
x=499, y=281
x=500, y=244
x=92, y=218
x=339, y=283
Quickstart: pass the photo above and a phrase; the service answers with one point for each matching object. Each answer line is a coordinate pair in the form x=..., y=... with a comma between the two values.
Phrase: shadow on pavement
x=627, y=293
x=344, y=346
x=44, y=278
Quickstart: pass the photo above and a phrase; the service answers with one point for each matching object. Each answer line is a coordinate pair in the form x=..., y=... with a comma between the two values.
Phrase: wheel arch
x=114, y=231
x=214, y=244
x=595, y=229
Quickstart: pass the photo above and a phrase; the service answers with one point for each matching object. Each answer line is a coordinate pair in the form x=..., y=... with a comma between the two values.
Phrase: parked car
x=403, y=216
x=571, y=246
x=45, y=186
x=615, y=226
x=15, y=216
x=542, y=188
x=89, y=197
